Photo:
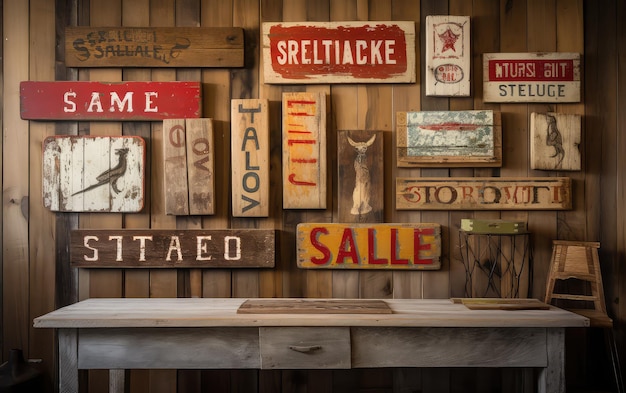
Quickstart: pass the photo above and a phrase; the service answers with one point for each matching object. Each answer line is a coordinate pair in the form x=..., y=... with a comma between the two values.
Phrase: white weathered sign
x=555, y=141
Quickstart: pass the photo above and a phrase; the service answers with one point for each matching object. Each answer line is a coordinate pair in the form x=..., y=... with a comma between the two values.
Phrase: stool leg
x=609, y=338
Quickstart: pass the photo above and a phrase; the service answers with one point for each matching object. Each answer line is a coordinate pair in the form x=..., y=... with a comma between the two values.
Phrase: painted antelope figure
x=361, y=193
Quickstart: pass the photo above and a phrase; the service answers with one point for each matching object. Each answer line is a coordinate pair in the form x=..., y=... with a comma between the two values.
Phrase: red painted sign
x=339, y=52
x=140, y=101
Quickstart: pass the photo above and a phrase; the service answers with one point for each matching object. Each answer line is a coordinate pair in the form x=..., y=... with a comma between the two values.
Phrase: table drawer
x=305, y=348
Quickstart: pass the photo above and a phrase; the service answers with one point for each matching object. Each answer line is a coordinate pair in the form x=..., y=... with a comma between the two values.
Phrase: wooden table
x=201, y=333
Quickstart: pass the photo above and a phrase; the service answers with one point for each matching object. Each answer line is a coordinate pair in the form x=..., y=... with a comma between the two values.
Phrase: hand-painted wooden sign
x=449, y=139
x=369, y=246
x=250, y=157
x=531, y=77
x=172, y=248
x=361, y=170
x=304, y=150
x=93, y=174
x=154, y=46
x=140, y=101
x=484, y=193
x=339, y=52
x=189, y=166
x=448, y=55
x=555, y=141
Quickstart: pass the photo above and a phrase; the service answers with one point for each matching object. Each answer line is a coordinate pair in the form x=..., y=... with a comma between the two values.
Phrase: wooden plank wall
x=35, y=273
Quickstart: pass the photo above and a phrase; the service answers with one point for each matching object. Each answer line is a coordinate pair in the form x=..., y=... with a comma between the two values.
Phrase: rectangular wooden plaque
x=127, y=101
x=449, y=139
x=304, y=150
x=339, y=52
x=531, y=77
x=448, y=55
x=189, y=166
x=484, y=193
x=314, y=306
x=151, y=248
x=250, y=157
x=93, y=174
x=154, y=46
x=360, y=167
x=369, y=246
x=555, y=141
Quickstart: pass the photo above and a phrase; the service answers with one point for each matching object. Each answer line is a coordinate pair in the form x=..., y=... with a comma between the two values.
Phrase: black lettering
x=257, y=182
x=252, y=203
x=79, y=47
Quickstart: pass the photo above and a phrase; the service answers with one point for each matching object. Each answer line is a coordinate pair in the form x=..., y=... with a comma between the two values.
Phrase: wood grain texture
x=555, y=141
x=313, y=306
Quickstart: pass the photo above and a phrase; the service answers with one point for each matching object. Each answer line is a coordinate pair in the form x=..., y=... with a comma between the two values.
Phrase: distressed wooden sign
x=189, y=166
x=126, y=248
x=448, y=55
x=555, y=141
x=93, y=174
x=128, y=101
x=369, y=246
x=449, y=139
x=304, y=150
x=531, y=77
x=360, y=167
x=339, y=52
x=154, y=46
x=250, y=157
x=484, y=193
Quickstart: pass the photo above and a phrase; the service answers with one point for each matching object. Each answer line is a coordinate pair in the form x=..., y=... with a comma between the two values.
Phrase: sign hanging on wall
x=93, y=174
x=154, y=46
x=448, y=55
x=531, y=77
x=197, y=248
x=449, y=139
x=555, y=141
x=339, y=52
x=484, y=193
x=369, y=246
x=127, y=101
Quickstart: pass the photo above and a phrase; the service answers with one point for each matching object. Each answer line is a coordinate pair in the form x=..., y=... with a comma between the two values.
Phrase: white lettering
x=86, y=240
x=389, y=51
x=68, y=101
x=142, y=246
x=118, y=247
x=95, y=102
x=149, y=102
x=361, y=46
x=201, y=248
x=282, y=57
x=115, y=100
x=227, y=253
x=174, y=245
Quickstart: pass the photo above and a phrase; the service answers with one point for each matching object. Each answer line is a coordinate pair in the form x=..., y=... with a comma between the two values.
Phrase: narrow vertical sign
x=304, y=150
x=448, y=55
x=250, y=157
x=555, y=141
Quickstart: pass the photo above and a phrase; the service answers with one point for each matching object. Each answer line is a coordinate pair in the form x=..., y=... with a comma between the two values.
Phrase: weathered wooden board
x=360, y=166
x=189, y=166
x=128, y=101
x=478, y=226
x=555, y=141
x=449, y=139
x=531, y=77
x=93, y=174
x=448, y=55
x=369, y=246
x=250, y=157
x=339, y=52
x=172, y=248
x=484, y=193
x=154, y=46
x=501, y=304
x=304, y=150
x=314, y=306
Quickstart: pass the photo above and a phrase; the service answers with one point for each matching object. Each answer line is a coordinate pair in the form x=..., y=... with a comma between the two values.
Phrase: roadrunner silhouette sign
x=93, y=174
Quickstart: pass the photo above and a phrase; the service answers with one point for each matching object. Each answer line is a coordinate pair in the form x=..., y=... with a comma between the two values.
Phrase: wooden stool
x=574, y=260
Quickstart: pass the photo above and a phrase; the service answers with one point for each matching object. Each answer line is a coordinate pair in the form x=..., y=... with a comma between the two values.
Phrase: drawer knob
x=305, y=348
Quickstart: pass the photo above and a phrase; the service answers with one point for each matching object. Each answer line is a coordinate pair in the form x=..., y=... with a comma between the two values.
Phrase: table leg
x=68, y=360
x=117, y=381
x=552, y=377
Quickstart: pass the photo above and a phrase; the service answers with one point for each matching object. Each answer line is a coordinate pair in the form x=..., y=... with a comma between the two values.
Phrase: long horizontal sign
x=531, y=77
x=484, y=193
x=93, y=173
x=140, y=101
x=172, y=248
x=339, y=52
x=154, y=46
x=369, y=246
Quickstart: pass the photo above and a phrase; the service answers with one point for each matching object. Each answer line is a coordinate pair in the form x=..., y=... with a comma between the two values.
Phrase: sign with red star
x=447, y=55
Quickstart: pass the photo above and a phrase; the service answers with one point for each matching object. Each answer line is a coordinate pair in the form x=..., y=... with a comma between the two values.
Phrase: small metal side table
x=496, y=264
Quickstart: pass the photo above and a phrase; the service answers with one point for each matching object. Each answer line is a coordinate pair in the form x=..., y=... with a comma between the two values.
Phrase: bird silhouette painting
x=555, y=141
x=110, y=176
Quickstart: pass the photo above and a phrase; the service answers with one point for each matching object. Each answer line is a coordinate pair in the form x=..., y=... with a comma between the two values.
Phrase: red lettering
x=371, y=249
x=347, y=249
x=417, y=246
x=314, y=236
x=395, y=248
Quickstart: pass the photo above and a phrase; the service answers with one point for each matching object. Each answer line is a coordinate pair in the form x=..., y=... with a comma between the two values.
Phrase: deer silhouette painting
x=361, y=193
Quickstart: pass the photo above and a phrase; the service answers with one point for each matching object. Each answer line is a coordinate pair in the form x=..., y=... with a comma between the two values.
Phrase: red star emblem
x=449, y=39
